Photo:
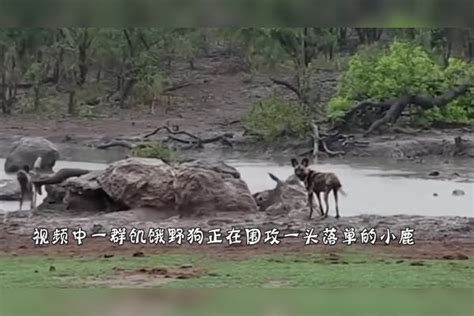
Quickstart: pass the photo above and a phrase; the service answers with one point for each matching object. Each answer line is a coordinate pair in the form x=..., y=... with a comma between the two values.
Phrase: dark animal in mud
x=316, y=183
x=26, y=188
x=25, y=180
x=59, y=177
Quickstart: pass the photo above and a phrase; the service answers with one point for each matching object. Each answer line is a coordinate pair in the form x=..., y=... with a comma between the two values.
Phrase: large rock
x=217, y=166
x=25, y=152
x=185, y=189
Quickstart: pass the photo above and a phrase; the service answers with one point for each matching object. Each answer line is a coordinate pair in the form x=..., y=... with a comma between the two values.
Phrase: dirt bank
x=434, y=237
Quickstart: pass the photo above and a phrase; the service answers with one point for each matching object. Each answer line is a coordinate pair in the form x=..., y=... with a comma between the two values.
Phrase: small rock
x=186, y=266
x=108, y=256
x=139, y=254
x=96, y=228
x=36, y=271
x=52, y=269
x=435, y=194
x=461, y=256
x=434, y=174
x=458, y=192
x=458, y=256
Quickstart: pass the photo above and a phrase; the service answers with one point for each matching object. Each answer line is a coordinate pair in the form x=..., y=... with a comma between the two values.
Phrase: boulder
x=200, y=190
x=458, y=192
x=9, y=190
x=217, y=166
x=25, y=152
x=186, y=189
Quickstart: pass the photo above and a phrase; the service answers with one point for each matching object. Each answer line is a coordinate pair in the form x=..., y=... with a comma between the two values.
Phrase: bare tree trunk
x=71, y=107
x=83, y=69
x=342, y=38
x=3, y=87
x=57, y=66
x=36, y=90
x=127, y=88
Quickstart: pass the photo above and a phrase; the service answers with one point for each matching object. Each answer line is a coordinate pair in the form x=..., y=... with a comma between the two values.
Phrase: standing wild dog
x=317, y=182
x=27, y=187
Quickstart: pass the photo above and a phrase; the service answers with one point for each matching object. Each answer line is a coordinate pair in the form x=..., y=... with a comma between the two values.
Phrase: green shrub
x=154, y=150
x=271, y=118
x=405, y=68
x=337, y=107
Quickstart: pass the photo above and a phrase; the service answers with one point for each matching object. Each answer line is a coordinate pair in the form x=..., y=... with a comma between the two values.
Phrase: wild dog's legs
x=310, y=202
x=33, y=198
x=337, y=206
x=326, y=200
x=22, y=195
x=320, y=205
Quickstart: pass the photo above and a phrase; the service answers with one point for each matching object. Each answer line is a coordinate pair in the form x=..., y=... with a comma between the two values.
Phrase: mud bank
x=81, y=143
x=446, y=236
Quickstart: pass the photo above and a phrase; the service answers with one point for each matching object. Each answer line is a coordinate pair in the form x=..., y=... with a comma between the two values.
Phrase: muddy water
x=382, y=190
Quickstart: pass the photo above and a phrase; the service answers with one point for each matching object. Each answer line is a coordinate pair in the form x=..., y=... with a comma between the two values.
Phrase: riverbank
x=78, y=137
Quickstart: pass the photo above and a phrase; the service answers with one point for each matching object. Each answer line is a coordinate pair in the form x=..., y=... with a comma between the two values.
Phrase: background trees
x=106, y=66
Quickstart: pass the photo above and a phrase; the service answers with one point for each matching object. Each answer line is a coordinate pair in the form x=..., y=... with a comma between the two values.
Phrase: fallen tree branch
x=194, y=142
x=166, y=128
x=177, y=87
x=229, y=123
x=330, y=152
x=117, y=143
x=287, y=85
x=390, y=111
x=396, y=109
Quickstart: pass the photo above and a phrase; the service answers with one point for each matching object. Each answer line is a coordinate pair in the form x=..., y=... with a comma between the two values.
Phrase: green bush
x=271, y=118
x=154, y=150
x=405, y=68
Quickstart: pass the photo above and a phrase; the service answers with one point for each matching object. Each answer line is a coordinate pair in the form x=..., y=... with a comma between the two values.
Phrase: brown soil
x=145, y=278
x=446, y=238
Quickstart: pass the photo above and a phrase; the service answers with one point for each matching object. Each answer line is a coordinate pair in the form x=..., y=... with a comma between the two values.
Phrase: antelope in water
x=317, y=182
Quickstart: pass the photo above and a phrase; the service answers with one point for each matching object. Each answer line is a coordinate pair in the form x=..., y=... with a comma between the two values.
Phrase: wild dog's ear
x=305, y=162
x=294, y=162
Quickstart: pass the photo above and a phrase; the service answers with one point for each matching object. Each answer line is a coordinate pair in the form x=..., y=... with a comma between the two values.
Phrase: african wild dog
x=317, y=182
x=27, y=187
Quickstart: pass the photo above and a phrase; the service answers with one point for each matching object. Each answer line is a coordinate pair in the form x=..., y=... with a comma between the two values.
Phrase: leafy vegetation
x=44, y=70
x=154, y=150
x=272, y=118
x=405, y=69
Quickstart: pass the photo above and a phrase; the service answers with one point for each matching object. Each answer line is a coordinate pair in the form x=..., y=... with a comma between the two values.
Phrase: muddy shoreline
x=76, y=138
x=441, y=237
